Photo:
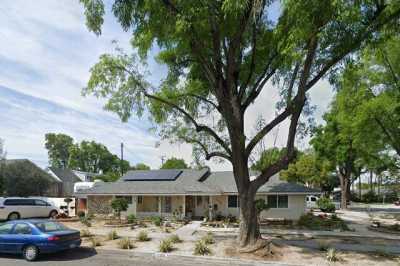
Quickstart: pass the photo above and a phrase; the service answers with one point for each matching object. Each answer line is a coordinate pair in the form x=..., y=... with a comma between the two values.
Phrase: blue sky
x=45, y=56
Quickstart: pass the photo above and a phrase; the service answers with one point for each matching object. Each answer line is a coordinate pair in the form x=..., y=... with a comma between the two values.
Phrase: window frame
x=277, y=201
x=230, y=200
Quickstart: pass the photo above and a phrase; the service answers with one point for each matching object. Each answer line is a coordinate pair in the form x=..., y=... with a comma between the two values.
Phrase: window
x=139, y=199
x=19, y=202
x=277, y=201
x=282, y=201
x=50, y=227
x=40, y=203
x=232, y=201
x=5, y=228
x=127, y=198
x=22, y=229
x=313, y=199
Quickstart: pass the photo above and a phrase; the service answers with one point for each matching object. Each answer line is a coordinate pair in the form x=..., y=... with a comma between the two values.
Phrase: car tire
x=53, y=214
x=13, y=216
x=30, y=253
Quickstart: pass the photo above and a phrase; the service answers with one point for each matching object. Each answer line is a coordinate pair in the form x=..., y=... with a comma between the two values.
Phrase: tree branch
x=208, y=154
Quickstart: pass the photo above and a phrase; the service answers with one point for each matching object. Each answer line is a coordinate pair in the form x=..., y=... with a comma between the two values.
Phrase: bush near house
x=166, y=246
x=143, y=236
x=326, y=204
x=201, y=248
x=157, y=220
x=323, y=222
x=131, y=219
x=119, y=205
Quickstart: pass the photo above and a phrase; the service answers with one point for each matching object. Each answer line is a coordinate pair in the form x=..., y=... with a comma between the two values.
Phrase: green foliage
x=58, y=146
x=109, y=177
x=326, y=204
x=261, y=205
x=208, y=239
x=311, y=170
x=126, y=243
x=370, y=197
x=131, y=218
x=81, y=214
x=310, y=221
x=140, y=166
x=85, y=220
x=18, y=173
x=267, y=158
x=119, y=205
x=165, y=246
x=157, y=220
x=201, y=248
x=175, y=239
x=174, y=163
x=143, y=236
x=112, y=235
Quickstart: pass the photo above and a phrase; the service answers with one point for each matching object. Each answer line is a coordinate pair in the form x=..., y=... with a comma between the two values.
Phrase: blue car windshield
x=48, y=226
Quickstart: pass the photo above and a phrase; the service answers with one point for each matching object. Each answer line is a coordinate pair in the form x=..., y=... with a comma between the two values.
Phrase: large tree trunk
x=344, y=188
x=249, y=227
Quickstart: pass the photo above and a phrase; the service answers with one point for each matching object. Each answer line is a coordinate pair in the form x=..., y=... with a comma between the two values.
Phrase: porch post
x=134, y=204
x=184, y=207
x=210, y=209
x=159, y=206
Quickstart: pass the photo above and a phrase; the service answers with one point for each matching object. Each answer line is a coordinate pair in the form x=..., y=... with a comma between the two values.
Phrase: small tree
x=260, y=206
x=119, y=205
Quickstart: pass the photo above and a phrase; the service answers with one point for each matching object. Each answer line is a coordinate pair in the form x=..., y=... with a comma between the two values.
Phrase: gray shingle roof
x=188, y=183
x=65, y=175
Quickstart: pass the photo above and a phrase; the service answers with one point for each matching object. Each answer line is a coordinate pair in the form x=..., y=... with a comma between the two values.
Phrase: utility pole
x=122, y=159
x=162, y=160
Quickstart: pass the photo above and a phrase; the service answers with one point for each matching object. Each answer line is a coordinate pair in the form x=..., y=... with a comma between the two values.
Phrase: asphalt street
x=90, y=257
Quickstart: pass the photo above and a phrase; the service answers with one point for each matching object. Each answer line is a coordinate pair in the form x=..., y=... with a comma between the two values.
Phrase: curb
x=221, y=260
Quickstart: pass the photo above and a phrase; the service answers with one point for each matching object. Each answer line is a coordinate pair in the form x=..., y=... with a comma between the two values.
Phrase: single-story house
x=67, y=179
x=193, y=194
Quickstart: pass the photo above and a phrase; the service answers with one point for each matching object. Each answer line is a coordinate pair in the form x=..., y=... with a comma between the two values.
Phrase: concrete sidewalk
x=187, y=232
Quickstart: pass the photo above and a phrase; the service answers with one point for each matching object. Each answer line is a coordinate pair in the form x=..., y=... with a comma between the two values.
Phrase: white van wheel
x=13, y=216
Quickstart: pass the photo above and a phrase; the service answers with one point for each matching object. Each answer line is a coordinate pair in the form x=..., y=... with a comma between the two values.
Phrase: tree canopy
x=220, y=55
x=174, y=163
x=58, y=147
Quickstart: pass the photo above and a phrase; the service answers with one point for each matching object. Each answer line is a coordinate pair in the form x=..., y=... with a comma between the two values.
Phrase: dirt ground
x=283, y=253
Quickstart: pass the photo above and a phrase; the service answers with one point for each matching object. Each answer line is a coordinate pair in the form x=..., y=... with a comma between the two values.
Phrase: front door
x=190, y=206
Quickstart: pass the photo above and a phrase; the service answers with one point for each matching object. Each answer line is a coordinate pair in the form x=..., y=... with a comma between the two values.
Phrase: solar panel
x=153, y=175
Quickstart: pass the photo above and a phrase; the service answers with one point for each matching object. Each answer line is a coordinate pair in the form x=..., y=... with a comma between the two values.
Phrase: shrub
x=143, y=236
x=310, y=221
x=165, y=246
x=112, y=235
x=126, y=243
x=86, y=221
x=131, y=218
x=119, y=205
x=332, y=255
x=85, y=233
x=157, y=220
x=201, y=248
x=326, y=204
x=175, y=239
x=208, y=239
x=95, y=242
x=81, y=214
x=370, y=197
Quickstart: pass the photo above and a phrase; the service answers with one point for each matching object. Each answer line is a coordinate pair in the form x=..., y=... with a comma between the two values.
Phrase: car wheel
x=53, y=214
x=13, y=216
x=30, y=253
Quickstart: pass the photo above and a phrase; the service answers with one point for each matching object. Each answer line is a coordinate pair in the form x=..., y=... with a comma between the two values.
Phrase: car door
x=41, y=208
x=20, y=235
x=5, y=235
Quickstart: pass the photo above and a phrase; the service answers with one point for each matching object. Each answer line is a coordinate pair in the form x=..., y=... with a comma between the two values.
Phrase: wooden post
x=159, y=206
x=184, y=207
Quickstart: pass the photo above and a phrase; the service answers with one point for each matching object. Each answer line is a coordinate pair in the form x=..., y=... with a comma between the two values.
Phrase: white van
x=311, y=202
x=17, y=208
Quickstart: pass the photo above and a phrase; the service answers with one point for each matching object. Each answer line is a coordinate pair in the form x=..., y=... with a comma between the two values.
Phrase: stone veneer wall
x=100, y=205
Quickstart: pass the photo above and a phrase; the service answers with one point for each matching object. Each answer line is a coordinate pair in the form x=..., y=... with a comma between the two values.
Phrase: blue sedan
x=33, y=237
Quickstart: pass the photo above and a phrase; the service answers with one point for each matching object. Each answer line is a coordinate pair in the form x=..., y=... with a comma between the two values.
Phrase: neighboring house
x=53, y=189
x=68, y=178
x=193, y=194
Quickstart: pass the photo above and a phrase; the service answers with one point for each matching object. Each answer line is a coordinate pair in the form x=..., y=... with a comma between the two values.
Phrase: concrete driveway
x=90, y=257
